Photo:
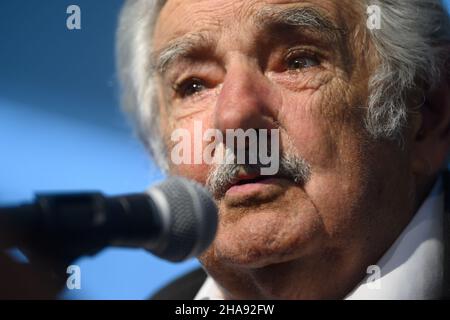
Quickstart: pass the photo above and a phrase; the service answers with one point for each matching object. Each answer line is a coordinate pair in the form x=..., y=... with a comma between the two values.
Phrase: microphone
x=174, y=220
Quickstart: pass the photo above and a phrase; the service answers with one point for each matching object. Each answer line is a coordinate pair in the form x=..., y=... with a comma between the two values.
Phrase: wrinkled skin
x=290, y=241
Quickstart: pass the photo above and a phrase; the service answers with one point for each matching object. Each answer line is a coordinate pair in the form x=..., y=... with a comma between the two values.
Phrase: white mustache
x=222, y=176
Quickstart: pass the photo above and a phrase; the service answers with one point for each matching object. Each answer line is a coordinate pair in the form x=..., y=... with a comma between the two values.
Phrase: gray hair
x=139, y=101
x=413, y=46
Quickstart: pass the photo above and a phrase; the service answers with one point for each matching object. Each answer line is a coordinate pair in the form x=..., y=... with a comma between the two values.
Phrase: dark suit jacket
x=187, y=286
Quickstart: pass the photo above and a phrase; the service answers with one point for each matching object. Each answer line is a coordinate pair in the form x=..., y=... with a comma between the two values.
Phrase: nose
x=248, y=99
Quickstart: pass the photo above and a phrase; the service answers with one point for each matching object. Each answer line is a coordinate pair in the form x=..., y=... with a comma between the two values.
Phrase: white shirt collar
x=412, y=268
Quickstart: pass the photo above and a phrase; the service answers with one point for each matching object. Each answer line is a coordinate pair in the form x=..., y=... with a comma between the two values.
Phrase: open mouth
x=251, y=180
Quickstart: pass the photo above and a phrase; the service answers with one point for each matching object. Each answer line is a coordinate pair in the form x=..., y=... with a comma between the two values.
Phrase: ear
x=432, y=138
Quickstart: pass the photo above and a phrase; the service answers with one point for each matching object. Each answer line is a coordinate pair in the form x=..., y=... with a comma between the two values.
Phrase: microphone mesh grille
x=193, y=218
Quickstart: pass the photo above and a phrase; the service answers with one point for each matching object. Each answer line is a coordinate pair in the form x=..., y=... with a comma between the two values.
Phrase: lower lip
x=250, y=188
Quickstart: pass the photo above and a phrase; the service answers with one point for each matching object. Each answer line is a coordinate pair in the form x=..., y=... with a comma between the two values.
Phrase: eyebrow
x=267, y=18
x=179, y=47
x=298, y=17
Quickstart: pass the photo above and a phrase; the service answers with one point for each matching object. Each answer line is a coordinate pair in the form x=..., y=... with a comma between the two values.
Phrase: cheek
x=336, y=172
x=197, y=172
x=190, y=146
x=306, y=132
x=335, y=147
x=325, y=125
x=312, y=143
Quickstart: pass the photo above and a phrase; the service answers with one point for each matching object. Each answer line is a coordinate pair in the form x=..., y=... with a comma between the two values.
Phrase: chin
x=258, y=238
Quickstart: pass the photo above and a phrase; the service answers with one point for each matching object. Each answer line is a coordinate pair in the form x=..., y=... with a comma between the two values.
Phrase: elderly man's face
x=259, y=64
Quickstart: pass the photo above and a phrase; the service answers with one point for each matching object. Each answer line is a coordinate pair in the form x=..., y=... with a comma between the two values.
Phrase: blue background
x=61, y=129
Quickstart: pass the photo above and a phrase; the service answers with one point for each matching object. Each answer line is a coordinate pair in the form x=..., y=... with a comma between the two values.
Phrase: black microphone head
x=189, y=218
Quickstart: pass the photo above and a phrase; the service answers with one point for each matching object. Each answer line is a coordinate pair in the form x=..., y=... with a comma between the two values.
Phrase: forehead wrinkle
x=300, y=17
x=179, y=48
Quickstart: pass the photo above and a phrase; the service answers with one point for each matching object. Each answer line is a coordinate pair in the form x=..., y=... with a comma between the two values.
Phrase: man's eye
x=189, y=87
x=301, y=62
